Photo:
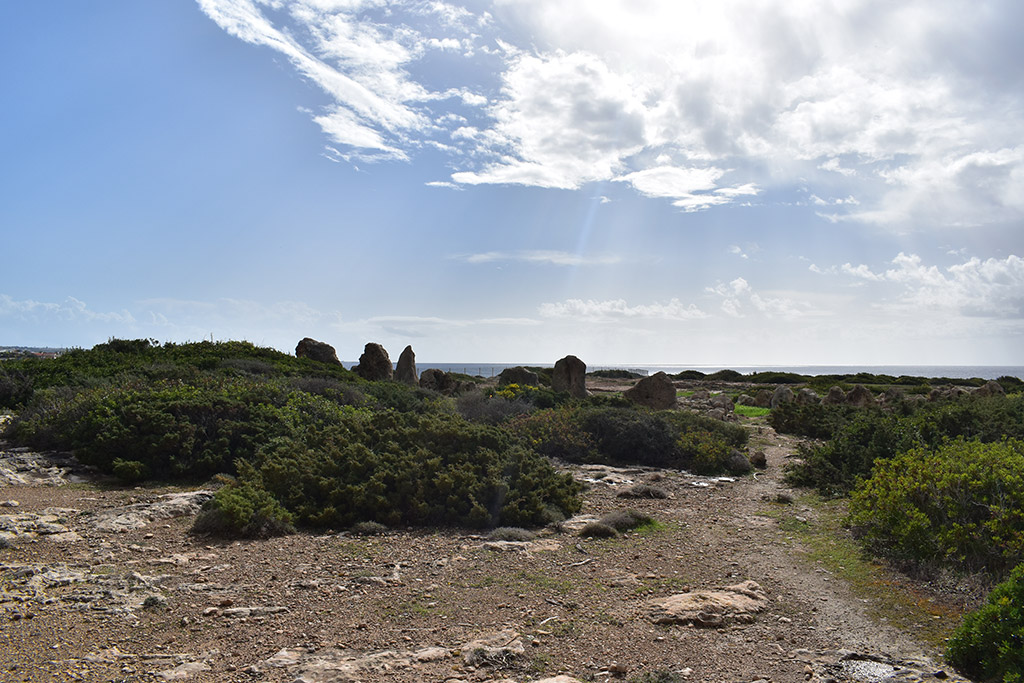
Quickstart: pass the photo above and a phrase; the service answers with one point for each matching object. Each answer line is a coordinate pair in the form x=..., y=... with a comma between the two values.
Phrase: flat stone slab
x=711, y=609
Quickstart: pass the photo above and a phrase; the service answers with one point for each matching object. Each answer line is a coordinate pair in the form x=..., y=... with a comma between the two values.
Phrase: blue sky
x=730, y=182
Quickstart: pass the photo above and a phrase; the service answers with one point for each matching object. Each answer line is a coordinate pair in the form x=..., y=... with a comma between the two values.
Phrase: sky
x=729, y=182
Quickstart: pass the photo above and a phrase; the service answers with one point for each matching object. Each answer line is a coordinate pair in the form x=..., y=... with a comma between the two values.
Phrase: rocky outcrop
x=656, y=391
x=317, y=350
x=405, y=372
x=570, y=374
x=518, y=375
x=807, y=396
x=374, y=364
x=711, y=609
x=990, y=388
x=723, y=402
x=763, y=398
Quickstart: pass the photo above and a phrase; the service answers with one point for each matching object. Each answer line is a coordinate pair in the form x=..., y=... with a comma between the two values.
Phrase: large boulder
x=405, y=372
x=439, y=381
x=656, y=391
x=722, y=401
x=374, y=364
x=783, y=394
x=807, y=396
x=570, y=374
x=518, y=375
x=763, y=398
x=317, y=350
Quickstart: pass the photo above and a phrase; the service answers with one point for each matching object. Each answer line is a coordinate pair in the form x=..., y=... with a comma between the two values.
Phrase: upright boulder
x=990, y=388
x=317, y=350
x=807, y=396
x=406, y=370
x=518, y=375
x=570, y=374
x=656, y=391
x=374, y=364
x=783, y=394
x=835, y=396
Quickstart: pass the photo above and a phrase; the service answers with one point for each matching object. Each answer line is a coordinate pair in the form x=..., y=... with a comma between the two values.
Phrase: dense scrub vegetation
x=989, y=644
x=311, y=444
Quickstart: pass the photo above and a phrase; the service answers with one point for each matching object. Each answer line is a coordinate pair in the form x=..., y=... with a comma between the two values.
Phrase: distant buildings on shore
x=12, y=352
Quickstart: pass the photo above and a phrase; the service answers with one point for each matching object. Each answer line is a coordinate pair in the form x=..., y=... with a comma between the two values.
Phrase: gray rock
x=656, y=391
x=439, y=381
x=737, y=463
x=759, y=460
x=317, y=350
x=782, y=394
x=990, y=388
x=570, y=374
x=807, y=396
x=722, y=401
x=518, y=375
x=405, y=372
x=713, y=609
x=374, y=363
x=763, y=398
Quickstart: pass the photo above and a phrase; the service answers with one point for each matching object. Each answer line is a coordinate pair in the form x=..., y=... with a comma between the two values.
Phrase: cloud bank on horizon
x=738, y=181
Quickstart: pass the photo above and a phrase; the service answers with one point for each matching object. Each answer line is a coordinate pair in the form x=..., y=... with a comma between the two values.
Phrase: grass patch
x=828, y=544
x=751, y=411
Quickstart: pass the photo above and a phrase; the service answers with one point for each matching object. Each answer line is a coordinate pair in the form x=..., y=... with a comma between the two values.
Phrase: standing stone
x=860, y=397
x=807, y=396
x=990, y=388
x=520, y=376
x=317, y=350
x=783, y=394
x=406, y=370
x=656, y=391
x=763, y=398
x=835, y=396
x=570, y=374
x=374, y=364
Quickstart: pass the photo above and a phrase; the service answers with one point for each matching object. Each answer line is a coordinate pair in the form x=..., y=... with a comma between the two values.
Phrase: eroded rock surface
x=715, y=609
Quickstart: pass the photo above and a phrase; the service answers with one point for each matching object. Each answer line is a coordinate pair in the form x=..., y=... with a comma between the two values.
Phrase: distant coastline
x=928, y=371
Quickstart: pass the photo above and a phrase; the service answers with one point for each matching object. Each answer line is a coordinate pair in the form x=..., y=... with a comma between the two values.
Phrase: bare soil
x=163, y=604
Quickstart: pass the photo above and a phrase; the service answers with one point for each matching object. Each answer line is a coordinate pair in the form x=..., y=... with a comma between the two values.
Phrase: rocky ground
x=106, y=584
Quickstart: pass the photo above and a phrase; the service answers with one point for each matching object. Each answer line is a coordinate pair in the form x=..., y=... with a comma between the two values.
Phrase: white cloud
x=907, y=107
x=739, y=298
x=71, y=309
x=618, y=309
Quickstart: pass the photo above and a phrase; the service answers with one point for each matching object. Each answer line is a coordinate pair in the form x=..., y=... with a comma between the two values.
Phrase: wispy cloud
x=71, y=309
x=556, y=258
x=618, y=309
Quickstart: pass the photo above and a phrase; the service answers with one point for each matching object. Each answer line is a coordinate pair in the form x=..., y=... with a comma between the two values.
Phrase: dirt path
x=84, y=598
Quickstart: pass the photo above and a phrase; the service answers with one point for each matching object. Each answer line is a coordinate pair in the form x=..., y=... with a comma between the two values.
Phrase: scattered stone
x=500, y=649
x=439, y=381
x=759, y=460
x=317, y=350
x=518, y=375
x=405, y=372
x=374, y=363
x=657, y=392
x=723, y=402
x=139, y=515
x=712, y=609
x=570, y=374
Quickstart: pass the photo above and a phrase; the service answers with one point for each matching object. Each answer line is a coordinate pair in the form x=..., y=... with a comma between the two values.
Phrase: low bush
x=989, y=644
x=631, y=436
x=706, y=452
x=598, y=530
x=961, y=505
x=241, y=509
x=626, y=520
x=511, y=533
x=816, y=421
x=643, y=491
x=368, y=529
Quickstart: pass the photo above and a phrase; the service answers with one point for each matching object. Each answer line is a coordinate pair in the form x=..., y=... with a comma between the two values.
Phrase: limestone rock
x=783, y=394
x=722, y=401
x=317, y=350
x=759, y=460
x=406, y=370
x=737, y=463
x=518, y=375
x=374, y=364
x=570, y=374
x=701, y=395
x=807, y=396
x=763, y=398
x=500, y=648
x=656, y=391
x=139, y=515
x=714, y=609
x=860, y=397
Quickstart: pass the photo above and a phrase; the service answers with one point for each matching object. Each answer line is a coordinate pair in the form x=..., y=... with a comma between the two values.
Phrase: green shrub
x=368, y=529
x=643, y=491
x=243, y=510
x=555, y=433
x=130, y=471
x=836, y=467
x=511, y=533
x=631, y=436
x=989, y=644
x=706, y=452
x=817, y=421
x=961, y=505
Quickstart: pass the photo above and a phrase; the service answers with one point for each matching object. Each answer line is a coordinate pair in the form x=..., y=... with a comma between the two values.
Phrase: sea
x=946, y=371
